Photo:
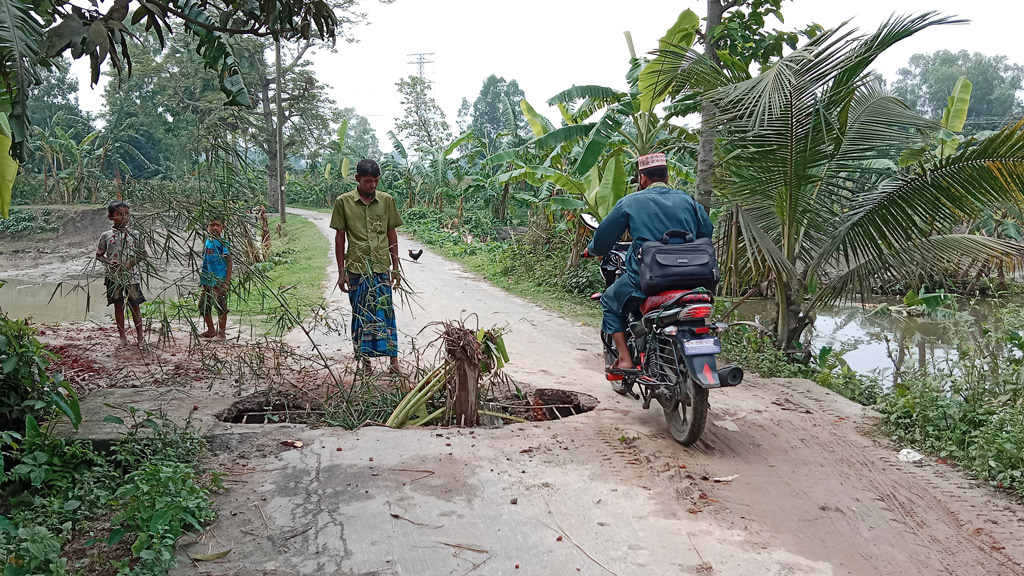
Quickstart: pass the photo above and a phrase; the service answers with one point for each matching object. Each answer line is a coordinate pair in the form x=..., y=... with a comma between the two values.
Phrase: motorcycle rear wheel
x=686, y=419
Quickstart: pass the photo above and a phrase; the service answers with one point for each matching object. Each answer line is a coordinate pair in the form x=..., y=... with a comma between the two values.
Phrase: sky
x=550, y=45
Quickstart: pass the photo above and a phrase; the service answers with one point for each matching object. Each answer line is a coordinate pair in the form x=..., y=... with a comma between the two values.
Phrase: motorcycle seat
x=671, y=298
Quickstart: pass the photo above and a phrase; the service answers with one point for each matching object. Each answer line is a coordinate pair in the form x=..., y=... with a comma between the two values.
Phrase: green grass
x=295, y=271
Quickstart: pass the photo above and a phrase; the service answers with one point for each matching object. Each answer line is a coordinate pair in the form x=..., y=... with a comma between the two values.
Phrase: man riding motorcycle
x=647, y=215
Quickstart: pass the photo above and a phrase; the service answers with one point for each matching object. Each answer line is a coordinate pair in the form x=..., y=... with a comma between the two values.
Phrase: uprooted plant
x=469, y=372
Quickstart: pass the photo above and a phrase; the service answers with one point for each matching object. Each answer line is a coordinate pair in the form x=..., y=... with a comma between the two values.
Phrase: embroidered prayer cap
x=651, y=160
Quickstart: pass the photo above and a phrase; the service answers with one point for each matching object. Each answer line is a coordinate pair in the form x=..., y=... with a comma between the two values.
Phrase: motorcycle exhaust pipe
x=730, y=376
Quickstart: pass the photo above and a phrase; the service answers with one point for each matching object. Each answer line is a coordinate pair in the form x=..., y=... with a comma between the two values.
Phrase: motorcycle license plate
x=702, y=346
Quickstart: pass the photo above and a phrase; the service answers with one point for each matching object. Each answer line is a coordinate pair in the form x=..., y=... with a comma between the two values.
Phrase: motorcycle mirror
x=589, y=220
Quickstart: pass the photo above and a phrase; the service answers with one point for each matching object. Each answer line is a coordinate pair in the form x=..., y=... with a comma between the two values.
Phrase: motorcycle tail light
x=702, y=330
x=696, y=312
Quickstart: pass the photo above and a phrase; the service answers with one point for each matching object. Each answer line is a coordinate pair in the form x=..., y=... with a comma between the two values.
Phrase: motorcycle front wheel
x=687, y=418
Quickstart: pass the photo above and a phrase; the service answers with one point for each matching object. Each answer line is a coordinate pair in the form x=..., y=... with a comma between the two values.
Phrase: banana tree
x=824, y=211
x=607, y=128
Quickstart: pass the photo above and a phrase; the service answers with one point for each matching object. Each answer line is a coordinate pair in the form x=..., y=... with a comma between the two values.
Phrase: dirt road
x=814, y=492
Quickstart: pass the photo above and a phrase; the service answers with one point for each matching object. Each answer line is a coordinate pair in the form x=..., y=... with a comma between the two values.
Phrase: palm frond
x=936, y=254
x=913, y=206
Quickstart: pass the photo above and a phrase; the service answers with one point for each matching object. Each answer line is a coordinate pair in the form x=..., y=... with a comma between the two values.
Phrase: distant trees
x=424, y=122
x=489, y=118
x=926, y=81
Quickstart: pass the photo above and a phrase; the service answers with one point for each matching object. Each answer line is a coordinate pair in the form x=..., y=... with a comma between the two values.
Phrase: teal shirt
x=647, y=215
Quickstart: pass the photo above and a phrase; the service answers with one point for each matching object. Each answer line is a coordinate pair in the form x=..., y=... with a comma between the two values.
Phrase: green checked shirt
x=366, y=229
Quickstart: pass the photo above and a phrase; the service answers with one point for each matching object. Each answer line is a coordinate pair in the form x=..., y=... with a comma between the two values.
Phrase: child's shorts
x=210, y=299
x=118, y=291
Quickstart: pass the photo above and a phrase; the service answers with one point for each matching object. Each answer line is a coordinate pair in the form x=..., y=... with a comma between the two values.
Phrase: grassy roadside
x=296, y=270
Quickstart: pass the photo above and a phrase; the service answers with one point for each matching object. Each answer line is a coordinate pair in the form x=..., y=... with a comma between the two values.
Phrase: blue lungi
x=374, y=333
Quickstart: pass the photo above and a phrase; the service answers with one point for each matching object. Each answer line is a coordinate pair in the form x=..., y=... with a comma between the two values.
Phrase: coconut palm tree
x=810, y=157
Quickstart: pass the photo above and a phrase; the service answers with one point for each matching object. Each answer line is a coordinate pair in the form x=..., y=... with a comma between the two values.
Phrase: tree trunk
x=280, y=132
x=706, y=142
x=467, y=379
x=269, y=145
x=792, y=318
x=501, y=208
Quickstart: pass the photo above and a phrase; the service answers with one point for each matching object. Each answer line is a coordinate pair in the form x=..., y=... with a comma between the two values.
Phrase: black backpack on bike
x=664, y=266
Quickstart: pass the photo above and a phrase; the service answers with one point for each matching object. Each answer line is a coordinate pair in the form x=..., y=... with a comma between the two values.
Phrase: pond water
x=870, y=343
x=72, y=301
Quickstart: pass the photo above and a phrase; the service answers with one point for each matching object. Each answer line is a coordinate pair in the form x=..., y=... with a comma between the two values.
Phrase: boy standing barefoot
x=215, y=280
x=121, y=251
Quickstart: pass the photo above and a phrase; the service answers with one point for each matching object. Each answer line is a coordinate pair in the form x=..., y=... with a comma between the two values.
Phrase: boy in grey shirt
x=121, y=252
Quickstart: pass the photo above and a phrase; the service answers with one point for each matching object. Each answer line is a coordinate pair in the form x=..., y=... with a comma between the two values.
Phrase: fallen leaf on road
x=292, y=443
x=209, y=557
x=725, y=478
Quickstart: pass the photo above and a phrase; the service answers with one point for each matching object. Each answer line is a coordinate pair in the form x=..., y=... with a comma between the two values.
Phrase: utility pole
x=420, y=60
x=280, y=130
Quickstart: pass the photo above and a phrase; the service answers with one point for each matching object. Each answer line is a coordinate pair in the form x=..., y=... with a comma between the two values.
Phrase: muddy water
x=52, y=302
x=71, y=301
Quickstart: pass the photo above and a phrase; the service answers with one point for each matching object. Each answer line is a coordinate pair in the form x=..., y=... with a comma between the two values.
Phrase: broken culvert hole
x=261, y=409
x=546, y=404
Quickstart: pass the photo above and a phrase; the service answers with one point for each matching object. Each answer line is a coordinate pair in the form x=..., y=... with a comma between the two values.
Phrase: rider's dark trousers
x=621, y=298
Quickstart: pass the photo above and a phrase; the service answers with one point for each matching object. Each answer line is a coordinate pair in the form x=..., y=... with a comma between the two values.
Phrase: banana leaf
x=656, y=78
x=8, y=167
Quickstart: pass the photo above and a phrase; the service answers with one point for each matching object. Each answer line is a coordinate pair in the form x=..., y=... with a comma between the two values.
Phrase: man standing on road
x=646, y=214
x=365, y=220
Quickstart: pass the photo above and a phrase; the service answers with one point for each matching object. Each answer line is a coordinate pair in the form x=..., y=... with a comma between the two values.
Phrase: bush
x=150, y=482
x=27, y=388
x=971, y=409
x=24, y=222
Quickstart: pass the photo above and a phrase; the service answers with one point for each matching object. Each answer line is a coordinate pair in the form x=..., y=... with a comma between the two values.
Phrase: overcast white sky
x=550, y=45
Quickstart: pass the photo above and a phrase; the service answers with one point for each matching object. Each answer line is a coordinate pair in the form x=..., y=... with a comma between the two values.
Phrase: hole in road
x=262, y=409
x=547, y=404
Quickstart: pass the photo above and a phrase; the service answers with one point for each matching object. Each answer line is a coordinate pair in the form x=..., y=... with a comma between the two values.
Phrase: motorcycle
x=673, y=341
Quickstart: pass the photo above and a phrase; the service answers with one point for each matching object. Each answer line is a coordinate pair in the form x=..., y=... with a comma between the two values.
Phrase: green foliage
x=969, y=410
x=755, y=351
x=925, y=83
x=491, y=106
x=28, y=390
x=424, y=122
x=25, y=222
x=59, y=490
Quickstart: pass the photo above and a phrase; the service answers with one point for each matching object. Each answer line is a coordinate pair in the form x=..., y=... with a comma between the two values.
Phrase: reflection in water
x=59, y=302
x=871, y=343
x=53, y=302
